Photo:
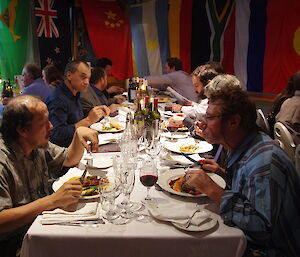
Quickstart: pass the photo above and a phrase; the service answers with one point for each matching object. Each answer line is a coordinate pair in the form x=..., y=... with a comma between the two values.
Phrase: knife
x=189, y=158
x=83, y=175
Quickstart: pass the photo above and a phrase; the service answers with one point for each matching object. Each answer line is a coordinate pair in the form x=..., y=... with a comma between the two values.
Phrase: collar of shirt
x=101, y=94
x=68, y=92
x=243, y=146
x=17, y=149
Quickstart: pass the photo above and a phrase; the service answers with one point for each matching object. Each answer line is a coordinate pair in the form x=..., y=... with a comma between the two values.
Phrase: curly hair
x=233, y=100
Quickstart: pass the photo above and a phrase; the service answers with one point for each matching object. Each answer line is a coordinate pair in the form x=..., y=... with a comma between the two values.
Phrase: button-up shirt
x=65, y=110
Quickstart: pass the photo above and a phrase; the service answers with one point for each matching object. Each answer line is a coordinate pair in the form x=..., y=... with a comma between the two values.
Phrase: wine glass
x=151, y=141
x=148, y=176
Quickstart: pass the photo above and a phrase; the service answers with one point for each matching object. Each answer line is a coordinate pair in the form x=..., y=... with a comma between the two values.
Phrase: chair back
x=262, y=122
x=297, y=159
x=284, y=139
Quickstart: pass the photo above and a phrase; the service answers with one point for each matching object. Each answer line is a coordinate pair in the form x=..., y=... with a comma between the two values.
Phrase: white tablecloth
x=136, y=238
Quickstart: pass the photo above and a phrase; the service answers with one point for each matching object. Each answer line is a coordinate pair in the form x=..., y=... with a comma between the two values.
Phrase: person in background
x=65, y=109
x=27, y=160
x=33, y=83
x=95, y=95
x=262, y=193
x=288, y=92
x=52, y=76
x=175, y=78
x=114, y=86
x=201, y=76
x=289, y=113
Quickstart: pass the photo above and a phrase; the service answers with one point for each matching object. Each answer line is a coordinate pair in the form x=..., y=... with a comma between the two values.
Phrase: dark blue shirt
x=64, y=111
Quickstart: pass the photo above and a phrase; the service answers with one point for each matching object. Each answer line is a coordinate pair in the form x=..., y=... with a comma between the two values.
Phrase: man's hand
x=120, y=98
x=176, y=120
x=98, y=112
x=199, y=126
x=176, y=107
x=115, y=89
x=200, y=181
x=85, y=134
x=211, y=165
x=69, y=193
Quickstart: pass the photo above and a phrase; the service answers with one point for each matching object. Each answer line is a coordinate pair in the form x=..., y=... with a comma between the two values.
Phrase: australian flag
x=54, y=31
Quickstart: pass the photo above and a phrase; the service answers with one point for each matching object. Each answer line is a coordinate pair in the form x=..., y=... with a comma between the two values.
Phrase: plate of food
x=179, y=158
x=165, y=126
x=176, y=135
x=90, y=183
x=188, y=146
x=172, y=182
x=165, y=99
x=108, y=127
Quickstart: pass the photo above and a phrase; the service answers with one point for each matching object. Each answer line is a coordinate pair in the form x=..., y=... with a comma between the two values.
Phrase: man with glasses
x=263, y=187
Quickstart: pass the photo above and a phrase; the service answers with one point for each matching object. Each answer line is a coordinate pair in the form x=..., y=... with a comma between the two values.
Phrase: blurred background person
x=52, y=76
x=289, y=113
x=33, y=82
x=96, y=94
x=175, y=78
x=114, y=85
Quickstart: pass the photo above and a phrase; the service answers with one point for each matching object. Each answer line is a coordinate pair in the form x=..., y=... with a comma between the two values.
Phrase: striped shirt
x=264, y=199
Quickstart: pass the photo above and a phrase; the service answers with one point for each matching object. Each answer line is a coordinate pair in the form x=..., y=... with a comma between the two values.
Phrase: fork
x=190, y=218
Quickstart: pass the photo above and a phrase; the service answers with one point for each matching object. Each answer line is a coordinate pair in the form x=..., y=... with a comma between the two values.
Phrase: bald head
x=19, y=113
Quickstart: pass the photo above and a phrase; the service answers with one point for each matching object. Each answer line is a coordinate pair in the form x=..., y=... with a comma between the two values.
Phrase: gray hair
x=222, y=82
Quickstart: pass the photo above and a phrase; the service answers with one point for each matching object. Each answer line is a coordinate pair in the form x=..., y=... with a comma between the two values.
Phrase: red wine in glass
x=148, y=180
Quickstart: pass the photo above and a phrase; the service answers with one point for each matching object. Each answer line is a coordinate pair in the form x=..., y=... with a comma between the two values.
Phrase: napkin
x=179, y=213
x=84, y=211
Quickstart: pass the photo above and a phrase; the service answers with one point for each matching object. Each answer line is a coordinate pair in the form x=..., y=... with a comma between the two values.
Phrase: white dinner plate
x=202, y=146
x=100, y=162
x=99, y=127
x=73, y=172
x=176, y=135
x=206, y=225
x=164, y=180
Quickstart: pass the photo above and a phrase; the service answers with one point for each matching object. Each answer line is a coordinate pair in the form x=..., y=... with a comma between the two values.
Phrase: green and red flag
x=16, y=36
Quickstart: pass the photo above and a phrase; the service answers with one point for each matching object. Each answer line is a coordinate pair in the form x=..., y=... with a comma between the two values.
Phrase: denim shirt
x=264, y=197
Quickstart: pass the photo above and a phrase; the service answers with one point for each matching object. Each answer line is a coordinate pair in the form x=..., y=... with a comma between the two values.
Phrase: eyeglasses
x=206, y=118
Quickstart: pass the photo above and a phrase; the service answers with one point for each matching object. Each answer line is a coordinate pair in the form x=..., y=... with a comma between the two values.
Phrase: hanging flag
x=16, y=39
x=109, y=33
x=281, y=59
x=180, y=31
x=210, y=20
x=149, y=28
x=54, y=31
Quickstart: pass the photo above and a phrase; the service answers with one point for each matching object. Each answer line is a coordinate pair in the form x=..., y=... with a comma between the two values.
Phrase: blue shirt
x=101, y=95
x=38, y=88
x=264, y=199
x=64, y=111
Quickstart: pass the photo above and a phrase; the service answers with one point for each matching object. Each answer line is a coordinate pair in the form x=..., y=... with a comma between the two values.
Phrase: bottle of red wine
x=155, y=113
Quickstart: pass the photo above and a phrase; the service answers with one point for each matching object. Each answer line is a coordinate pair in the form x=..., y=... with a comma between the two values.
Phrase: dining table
x=139, y=237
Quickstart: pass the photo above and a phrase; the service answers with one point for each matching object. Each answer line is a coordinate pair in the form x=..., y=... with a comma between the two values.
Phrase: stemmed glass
x=152, y=139
x=128, y=180
x=148, y=176
x=108, y=187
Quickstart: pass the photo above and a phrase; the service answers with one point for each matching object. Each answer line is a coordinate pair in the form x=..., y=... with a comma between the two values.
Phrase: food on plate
x=188, y=148
x=111, y=126
x=182, y=128
x=179, y=185
x=164, y=99
x=91, y=184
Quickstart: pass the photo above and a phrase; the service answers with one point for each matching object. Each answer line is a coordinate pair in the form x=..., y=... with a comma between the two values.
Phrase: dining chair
x=284, y=139
x=262, y=122
x=297, y=158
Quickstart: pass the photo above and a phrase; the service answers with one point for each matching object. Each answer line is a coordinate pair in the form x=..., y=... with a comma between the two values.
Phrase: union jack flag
x=47, y=14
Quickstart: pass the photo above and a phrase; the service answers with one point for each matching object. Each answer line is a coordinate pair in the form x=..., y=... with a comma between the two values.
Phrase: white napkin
x=84, y=211
x=179, y=213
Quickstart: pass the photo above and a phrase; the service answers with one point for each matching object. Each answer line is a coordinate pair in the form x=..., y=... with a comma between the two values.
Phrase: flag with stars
x=109, y=33
x=54, y=31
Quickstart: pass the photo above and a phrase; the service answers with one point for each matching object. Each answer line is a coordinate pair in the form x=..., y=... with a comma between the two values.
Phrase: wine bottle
x=5, y=91
x=10, y=89
x=155, y=113
x=132, y=90
x=139, y=119
x=148, y=111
